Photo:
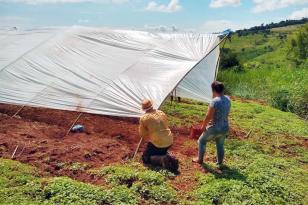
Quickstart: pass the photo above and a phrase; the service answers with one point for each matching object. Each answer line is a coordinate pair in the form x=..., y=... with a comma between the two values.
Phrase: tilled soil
x=39, y=134
x=39, y=137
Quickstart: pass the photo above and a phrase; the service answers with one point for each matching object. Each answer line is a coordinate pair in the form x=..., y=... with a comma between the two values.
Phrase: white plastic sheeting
x=104, y=71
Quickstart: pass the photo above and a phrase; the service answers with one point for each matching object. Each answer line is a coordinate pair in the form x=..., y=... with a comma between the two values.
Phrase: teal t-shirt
x=222, y=107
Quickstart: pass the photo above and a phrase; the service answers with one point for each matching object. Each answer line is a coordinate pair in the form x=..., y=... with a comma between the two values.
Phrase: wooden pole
x=138, y=146
x=12, y=157
x=217, y=65
x=18, y=111
x=78, y=117
x=248, y=134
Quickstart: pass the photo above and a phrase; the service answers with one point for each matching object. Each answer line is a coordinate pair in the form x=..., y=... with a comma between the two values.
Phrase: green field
x=267, y=167
x=269, y=71
x=266, y=151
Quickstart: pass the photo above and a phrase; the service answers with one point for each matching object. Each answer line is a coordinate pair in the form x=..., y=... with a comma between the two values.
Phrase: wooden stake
x=248, y=134
x=68, y=131
x=12, y=157
x=138, y=146
x=18, y=111
x=22, y=150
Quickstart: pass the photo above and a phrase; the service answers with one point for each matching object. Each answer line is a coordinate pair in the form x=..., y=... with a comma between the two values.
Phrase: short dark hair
x=218, y=87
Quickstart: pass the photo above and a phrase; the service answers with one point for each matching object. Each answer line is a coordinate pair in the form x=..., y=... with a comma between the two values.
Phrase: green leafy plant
x=150, y=185
x=252, y=177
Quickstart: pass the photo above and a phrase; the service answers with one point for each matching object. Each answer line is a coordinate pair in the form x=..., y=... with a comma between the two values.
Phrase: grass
x=277, y=132
x=286, y=89
x=267, y=121
x=252, y=46
x=269, y=73
x=253, y=177
x=270, y=167
x=20, y=185
x=260, y=170
x=126, y=184
x=149, y=185
x=263, y=119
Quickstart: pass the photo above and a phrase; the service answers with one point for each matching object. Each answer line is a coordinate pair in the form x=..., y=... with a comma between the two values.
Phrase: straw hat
x=146, y=105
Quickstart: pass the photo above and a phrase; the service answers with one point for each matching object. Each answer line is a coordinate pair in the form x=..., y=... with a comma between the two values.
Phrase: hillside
x=266, y=160
x=268, y=71
x=266, y=151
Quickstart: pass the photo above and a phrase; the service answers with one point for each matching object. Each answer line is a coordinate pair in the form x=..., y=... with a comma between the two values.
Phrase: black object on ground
x=78, y=128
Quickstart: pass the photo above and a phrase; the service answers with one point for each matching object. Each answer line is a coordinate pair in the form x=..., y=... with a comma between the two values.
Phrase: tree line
x=265, y=28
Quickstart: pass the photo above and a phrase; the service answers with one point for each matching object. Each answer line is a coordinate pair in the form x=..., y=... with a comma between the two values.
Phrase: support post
x=217, y=65
x=72, y=125
x=138, y=146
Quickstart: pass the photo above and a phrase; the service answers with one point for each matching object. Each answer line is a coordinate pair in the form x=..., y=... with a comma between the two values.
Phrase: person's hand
x=203, y=128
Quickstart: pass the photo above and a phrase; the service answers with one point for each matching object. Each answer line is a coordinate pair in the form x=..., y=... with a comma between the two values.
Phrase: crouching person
x=154, y=129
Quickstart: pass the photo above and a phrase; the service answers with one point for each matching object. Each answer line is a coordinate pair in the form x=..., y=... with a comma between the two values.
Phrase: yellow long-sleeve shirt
x=154, y=126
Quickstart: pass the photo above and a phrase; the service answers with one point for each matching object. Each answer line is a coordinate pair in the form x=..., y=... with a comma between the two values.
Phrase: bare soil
x=39, y=137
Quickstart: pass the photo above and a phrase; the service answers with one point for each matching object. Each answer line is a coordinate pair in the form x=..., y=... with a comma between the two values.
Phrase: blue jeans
x=213, y=134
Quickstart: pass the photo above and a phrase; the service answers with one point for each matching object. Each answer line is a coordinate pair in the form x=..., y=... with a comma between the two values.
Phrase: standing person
x=215, y=125
x=154, y=128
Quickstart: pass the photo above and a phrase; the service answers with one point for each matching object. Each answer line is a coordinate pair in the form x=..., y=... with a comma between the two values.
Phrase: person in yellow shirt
x=154, y=128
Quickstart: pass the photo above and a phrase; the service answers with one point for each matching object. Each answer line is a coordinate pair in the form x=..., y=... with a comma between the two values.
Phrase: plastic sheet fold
x=104, y=71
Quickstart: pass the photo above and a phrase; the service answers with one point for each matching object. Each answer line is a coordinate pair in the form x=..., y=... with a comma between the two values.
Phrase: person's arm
x=209, y=116
x=143, y=131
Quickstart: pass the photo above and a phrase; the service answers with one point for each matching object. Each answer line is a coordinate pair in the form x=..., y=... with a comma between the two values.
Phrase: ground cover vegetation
x=266, y=163
x=266, y=150
x=269, y=63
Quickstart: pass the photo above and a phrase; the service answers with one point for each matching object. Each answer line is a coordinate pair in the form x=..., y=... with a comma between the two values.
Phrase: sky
x=162, y=15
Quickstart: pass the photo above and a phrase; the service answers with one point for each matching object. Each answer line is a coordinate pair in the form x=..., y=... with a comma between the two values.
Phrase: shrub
x=228, y=59
x=280, y=99
x=299, y=44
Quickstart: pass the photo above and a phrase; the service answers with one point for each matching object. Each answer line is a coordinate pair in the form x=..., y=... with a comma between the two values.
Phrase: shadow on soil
x=224, y=172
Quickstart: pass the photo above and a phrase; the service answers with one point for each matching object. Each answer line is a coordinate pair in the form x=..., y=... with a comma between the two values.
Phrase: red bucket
x=195, y=131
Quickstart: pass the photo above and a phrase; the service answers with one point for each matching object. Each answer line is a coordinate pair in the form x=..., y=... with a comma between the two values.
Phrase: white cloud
x=161, y=28
x=270, y=5
x=218, y=26
x=34, y=2
x=222, y=3
x=299, y=14
x=213, y=26
x=173, y=6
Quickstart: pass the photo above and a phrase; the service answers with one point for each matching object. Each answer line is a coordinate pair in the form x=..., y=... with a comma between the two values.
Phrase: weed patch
x=150, y=185
x=19, y=184
x=253, y=177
